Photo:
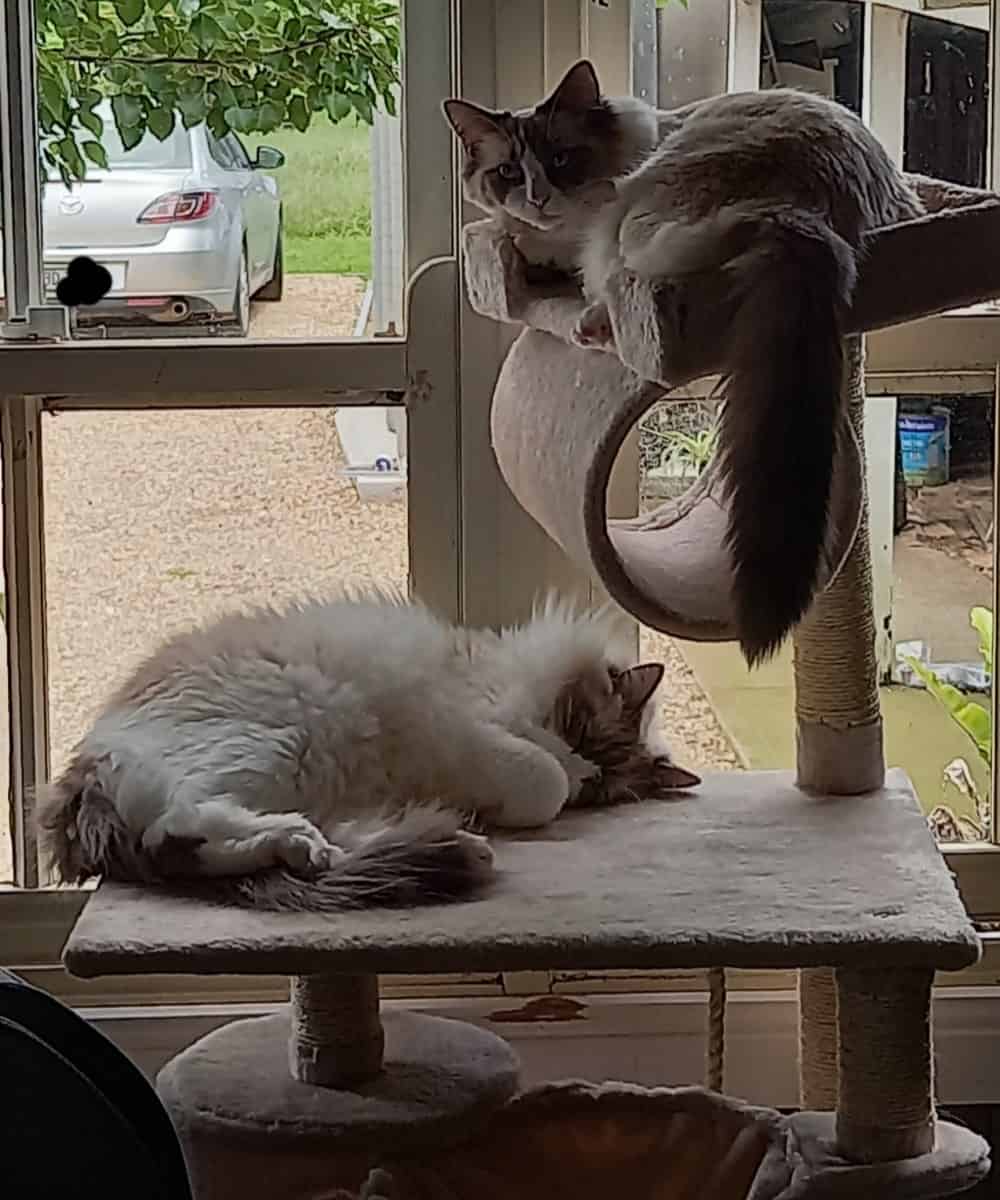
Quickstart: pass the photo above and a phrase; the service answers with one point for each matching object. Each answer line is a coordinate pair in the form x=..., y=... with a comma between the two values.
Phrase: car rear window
x=173, y=152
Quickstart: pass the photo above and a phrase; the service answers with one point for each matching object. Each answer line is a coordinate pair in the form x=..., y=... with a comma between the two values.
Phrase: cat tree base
x=249, y=1129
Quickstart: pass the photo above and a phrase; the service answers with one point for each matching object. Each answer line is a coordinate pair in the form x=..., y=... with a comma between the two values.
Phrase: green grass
x=326, y=197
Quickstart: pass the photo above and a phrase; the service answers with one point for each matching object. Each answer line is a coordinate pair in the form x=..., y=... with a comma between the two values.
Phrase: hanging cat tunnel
x=561, y=413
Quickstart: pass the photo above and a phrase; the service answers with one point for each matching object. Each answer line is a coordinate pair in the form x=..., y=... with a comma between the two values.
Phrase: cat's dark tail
x=421, y=855
x=781, y=420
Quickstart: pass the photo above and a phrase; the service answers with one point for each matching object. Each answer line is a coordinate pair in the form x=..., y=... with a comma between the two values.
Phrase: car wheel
x=239, y=322
x=275, y=287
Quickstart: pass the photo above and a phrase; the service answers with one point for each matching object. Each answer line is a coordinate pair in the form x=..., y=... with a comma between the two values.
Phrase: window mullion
x=19, y=159
x=994, y=704
x=24, y=573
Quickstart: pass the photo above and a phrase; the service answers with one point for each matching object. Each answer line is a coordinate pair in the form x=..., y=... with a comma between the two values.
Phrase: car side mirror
x=268, y=159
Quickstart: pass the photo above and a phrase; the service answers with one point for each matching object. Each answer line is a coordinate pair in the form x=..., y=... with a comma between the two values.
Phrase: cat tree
x=756, y=869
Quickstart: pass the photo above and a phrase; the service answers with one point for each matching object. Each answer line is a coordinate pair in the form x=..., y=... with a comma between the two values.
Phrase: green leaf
x=298, y=114
x=338, y=106
x=269, y=117
x=193, y=109
x=206, y=31
x=160, y=122
x=127, y=112
x=131, y=137
x=981, y=620
x=130, y=11
x=71, y=156
x=96, y=153
x=243, y=120
x=91, y=121
x=974, y=720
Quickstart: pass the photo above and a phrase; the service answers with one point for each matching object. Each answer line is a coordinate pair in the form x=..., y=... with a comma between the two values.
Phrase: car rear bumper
x=147, y=278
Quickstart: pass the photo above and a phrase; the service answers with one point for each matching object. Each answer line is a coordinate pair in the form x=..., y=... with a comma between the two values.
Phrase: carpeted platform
x=745, y=871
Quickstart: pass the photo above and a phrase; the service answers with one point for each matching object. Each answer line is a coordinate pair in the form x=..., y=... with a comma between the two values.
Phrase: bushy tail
x=419, y=856
x=781, y=418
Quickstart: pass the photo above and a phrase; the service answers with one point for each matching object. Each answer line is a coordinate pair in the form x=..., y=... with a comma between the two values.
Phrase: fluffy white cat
x=329, y=755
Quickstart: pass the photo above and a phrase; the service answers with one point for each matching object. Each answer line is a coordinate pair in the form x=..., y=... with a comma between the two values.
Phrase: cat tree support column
x=838, y=737
x=864, y=1037
x=336, y=1036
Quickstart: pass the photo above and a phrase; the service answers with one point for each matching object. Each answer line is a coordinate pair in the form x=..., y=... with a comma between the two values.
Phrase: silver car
x=189, y=228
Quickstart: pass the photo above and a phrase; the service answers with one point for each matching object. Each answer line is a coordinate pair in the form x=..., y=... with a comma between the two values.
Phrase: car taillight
x=178, y=206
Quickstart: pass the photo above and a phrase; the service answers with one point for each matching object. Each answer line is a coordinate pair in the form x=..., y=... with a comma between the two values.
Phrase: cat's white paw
x=594, y=327
x=477, y=852
x=306, y=853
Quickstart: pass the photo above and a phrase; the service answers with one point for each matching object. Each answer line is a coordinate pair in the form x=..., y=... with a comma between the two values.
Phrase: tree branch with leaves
x=244, y=66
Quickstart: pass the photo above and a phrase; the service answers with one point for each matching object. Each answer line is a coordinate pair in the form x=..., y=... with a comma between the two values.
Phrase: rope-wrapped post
x=337, y=1038
x=818, y=1041
x=838, y=732
x=838, y=722
x=715, y=1055
x=886, y=1109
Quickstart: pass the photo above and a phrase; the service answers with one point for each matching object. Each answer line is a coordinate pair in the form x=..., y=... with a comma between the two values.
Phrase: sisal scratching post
x=336, y=1037
x=886, y=1108
x=838, y=735
x=818, y=1041
x=838, y=723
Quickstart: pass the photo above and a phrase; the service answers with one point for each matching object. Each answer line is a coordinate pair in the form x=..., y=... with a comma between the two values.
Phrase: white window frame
x=418, y=369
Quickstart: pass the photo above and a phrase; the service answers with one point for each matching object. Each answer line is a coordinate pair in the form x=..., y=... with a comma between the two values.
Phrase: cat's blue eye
x=510, y=171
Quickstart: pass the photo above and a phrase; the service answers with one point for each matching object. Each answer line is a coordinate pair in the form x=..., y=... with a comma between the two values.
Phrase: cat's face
x=607, y=724
x=548, y=165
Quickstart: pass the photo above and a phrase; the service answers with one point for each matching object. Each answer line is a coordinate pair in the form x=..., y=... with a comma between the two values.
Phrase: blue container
x=925, y=439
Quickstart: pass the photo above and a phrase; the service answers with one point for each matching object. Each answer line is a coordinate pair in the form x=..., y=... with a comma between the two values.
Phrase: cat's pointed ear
x=578, y=90
x=671, y=776
x=637, y=684
x=472, y=123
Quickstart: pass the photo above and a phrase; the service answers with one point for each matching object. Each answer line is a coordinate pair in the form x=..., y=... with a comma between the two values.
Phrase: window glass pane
x=930, y=479
x=815, y=45
x=942, y=571
x=276, y=214
x=154, y=520
x=946, y=98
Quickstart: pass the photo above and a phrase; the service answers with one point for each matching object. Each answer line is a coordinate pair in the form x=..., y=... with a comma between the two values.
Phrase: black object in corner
x=79, y=1118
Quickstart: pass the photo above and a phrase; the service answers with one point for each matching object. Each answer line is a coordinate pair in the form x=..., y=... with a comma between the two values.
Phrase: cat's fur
x=775, y=189
x=329, y=755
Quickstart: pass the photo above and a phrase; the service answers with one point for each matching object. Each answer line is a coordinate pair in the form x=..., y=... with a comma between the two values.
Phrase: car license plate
x=52, y=275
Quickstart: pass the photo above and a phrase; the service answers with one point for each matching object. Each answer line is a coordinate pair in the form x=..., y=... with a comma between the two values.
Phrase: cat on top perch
x=773, y=189
x=328, y=756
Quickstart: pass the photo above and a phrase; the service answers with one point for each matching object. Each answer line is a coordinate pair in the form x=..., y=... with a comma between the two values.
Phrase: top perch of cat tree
x=560, y=413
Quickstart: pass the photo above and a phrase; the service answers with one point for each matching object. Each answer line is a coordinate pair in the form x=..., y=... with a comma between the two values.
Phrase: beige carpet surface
x=746, y=870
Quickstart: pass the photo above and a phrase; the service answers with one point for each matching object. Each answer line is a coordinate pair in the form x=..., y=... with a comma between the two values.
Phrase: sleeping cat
x=328, y=755
x=775, y=189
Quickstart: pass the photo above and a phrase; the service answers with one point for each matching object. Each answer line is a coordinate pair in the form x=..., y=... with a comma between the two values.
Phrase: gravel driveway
x=156, y=519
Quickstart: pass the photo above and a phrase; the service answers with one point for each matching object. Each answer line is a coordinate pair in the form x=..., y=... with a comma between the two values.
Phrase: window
x=256, y=230
x=142, y=471
x=152, y=477
x=921, y=81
